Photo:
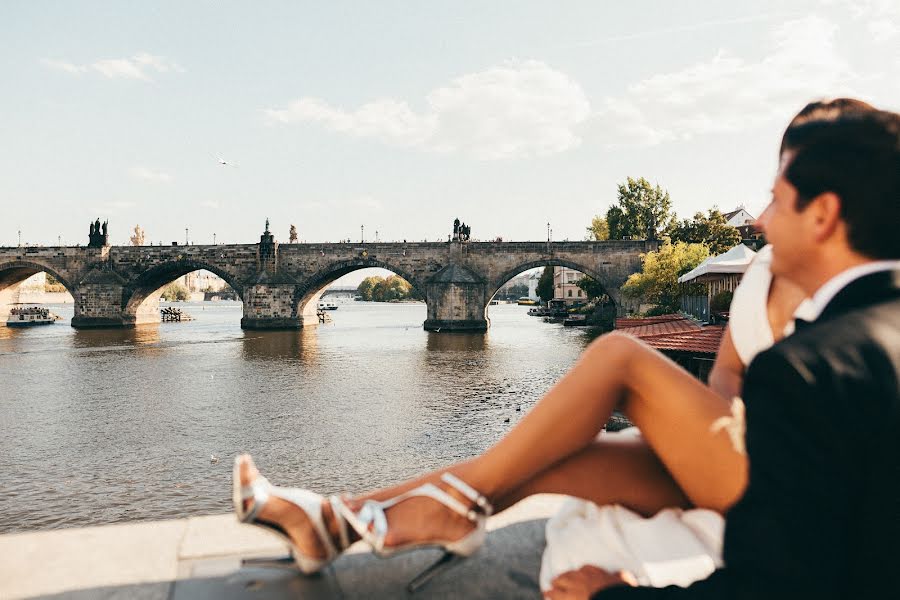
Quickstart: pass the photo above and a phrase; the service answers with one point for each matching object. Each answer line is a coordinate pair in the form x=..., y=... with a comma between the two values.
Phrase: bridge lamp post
x=362, y=234
x=214, y=239
x=548, y=231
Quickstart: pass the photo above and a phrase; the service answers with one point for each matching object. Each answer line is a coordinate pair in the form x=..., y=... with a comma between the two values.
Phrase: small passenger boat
x=526, y=301
x=327, y=306
x=26, y=316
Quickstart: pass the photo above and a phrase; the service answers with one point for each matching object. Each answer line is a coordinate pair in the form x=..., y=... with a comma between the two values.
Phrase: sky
x=398, y=116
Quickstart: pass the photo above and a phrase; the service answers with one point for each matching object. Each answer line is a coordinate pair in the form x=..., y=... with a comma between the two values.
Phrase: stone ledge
x=151, y=554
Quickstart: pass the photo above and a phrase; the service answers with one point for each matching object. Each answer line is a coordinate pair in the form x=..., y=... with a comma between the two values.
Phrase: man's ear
x=825, y=210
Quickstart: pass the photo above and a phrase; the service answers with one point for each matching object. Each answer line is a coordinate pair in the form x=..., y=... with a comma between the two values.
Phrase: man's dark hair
x=852, y=151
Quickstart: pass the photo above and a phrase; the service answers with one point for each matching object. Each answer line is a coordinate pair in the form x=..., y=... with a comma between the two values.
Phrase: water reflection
x=300, y=345
x=456, y=342
x=106, y=338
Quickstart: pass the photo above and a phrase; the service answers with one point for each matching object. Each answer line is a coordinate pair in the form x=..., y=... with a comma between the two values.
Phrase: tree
x=292, y=235
x=545, y=284
x=711, y=229
x=366, y=286
x=657, y=283
x=591, y=287
x=641, y=212
x=599, y=229
x=175, y=292
x=391, y=289
x=379, y=289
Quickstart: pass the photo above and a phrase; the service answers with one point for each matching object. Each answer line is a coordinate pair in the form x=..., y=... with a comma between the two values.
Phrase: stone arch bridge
x=280, y=284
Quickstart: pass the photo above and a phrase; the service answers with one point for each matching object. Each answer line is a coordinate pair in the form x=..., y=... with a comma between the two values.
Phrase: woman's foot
x=421, y=519
x=290, y=517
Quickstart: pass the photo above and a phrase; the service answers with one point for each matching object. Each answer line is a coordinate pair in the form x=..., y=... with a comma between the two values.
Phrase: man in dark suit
x=820, y=517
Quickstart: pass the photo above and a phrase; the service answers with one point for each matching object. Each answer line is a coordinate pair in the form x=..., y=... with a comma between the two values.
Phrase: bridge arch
x=495, y=285
x=140, y=298
x=15, y=272
x=307, y=295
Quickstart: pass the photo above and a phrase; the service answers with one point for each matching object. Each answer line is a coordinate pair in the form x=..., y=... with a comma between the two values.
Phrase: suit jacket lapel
x=868, y=289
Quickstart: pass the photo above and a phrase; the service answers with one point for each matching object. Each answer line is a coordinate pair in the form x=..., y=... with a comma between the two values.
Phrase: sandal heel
x=285, y=562
x=445, y=562
x=259, y=491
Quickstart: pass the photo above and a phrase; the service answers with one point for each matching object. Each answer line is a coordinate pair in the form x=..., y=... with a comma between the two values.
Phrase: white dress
x=674, y=547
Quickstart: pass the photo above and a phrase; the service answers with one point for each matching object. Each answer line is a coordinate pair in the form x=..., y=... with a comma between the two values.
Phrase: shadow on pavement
x=506, y=567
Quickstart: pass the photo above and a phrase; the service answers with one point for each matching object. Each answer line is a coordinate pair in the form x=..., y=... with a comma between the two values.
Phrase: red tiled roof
x=701, y=341
x=664, y=328
x=637, y=322
x=675, y=333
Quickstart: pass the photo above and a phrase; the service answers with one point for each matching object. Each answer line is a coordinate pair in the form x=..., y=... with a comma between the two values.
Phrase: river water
x=104, y=426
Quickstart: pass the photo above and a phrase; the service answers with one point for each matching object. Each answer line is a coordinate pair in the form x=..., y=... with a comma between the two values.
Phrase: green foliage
x=175, y=292
x=53, y=285
x=545, y=284
x=599, y=229
x=640, y=209
x=660, y=309
x=366, y=286
x=711, y=229
x=379, y=289
x=657, y=283
x=514, y=291
x=591, y=287
x=721, y=301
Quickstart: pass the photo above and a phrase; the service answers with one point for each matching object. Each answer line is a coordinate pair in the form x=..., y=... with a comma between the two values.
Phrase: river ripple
x=115, y=425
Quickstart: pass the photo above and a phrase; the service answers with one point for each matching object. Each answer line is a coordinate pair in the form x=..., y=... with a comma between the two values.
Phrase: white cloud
x=882, y=17
x=149, y=174
x=520, y=108
x=727, y=93
x=883, y=31
x=138, y=66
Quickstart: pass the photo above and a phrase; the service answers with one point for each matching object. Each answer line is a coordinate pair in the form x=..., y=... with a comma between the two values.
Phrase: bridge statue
x=280, y=284
x=98, y=236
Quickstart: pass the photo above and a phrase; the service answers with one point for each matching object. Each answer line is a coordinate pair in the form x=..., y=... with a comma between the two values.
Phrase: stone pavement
x=200, y=557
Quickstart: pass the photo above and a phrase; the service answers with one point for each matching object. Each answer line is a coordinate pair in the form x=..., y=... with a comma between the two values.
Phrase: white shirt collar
x=811, y=308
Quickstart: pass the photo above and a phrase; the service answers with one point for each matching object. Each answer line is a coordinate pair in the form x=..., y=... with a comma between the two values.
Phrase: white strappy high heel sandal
x=260, y=490
x=370, y=522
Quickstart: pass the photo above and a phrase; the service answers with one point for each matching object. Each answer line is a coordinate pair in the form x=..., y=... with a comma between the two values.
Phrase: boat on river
x=526, y=301
x=27, y=316
x=327, y=306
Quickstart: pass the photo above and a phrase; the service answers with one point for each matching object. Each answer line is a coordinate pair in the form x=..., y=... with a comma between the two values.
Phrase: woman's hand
x=585, y=582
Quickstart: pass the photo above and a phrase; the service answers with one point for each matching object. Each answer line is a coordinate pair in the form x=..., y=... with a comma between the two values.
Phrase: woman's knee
x=615, y=348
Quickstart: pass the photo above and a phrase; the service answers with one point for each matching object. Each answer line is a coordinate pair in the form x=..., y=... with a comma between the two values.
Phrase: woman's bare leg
x=673, y=410
x=616, y=469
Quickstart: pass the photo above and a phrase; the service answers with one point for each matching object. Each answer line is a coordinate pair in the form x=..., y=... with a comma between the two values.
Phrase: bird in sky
x=226, y=163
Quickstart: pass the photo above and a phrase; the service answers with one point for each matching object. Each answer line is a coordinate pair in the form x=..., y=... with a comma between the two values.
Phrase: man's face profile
x=783, y=224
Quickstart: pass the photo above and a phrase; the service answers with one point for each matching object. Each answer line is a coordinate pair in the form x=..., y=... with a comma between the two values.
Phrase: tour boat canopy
x=735, y=260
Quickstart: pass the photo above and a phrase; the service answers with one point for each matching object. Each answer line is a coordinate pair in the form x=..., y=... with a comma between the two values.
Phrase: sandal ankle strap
x=469, y=492
x=335, y=502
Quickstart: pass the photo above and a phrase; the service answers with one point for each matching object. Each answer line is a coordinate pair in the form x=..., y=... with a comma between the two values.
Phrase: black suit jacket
x=821, y=514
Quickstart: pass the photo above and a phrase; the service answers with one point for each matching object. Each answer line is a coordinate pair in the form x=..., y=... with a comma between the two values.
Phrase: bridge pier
x=456, y=299
x=270, y=306
x=98, y=305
